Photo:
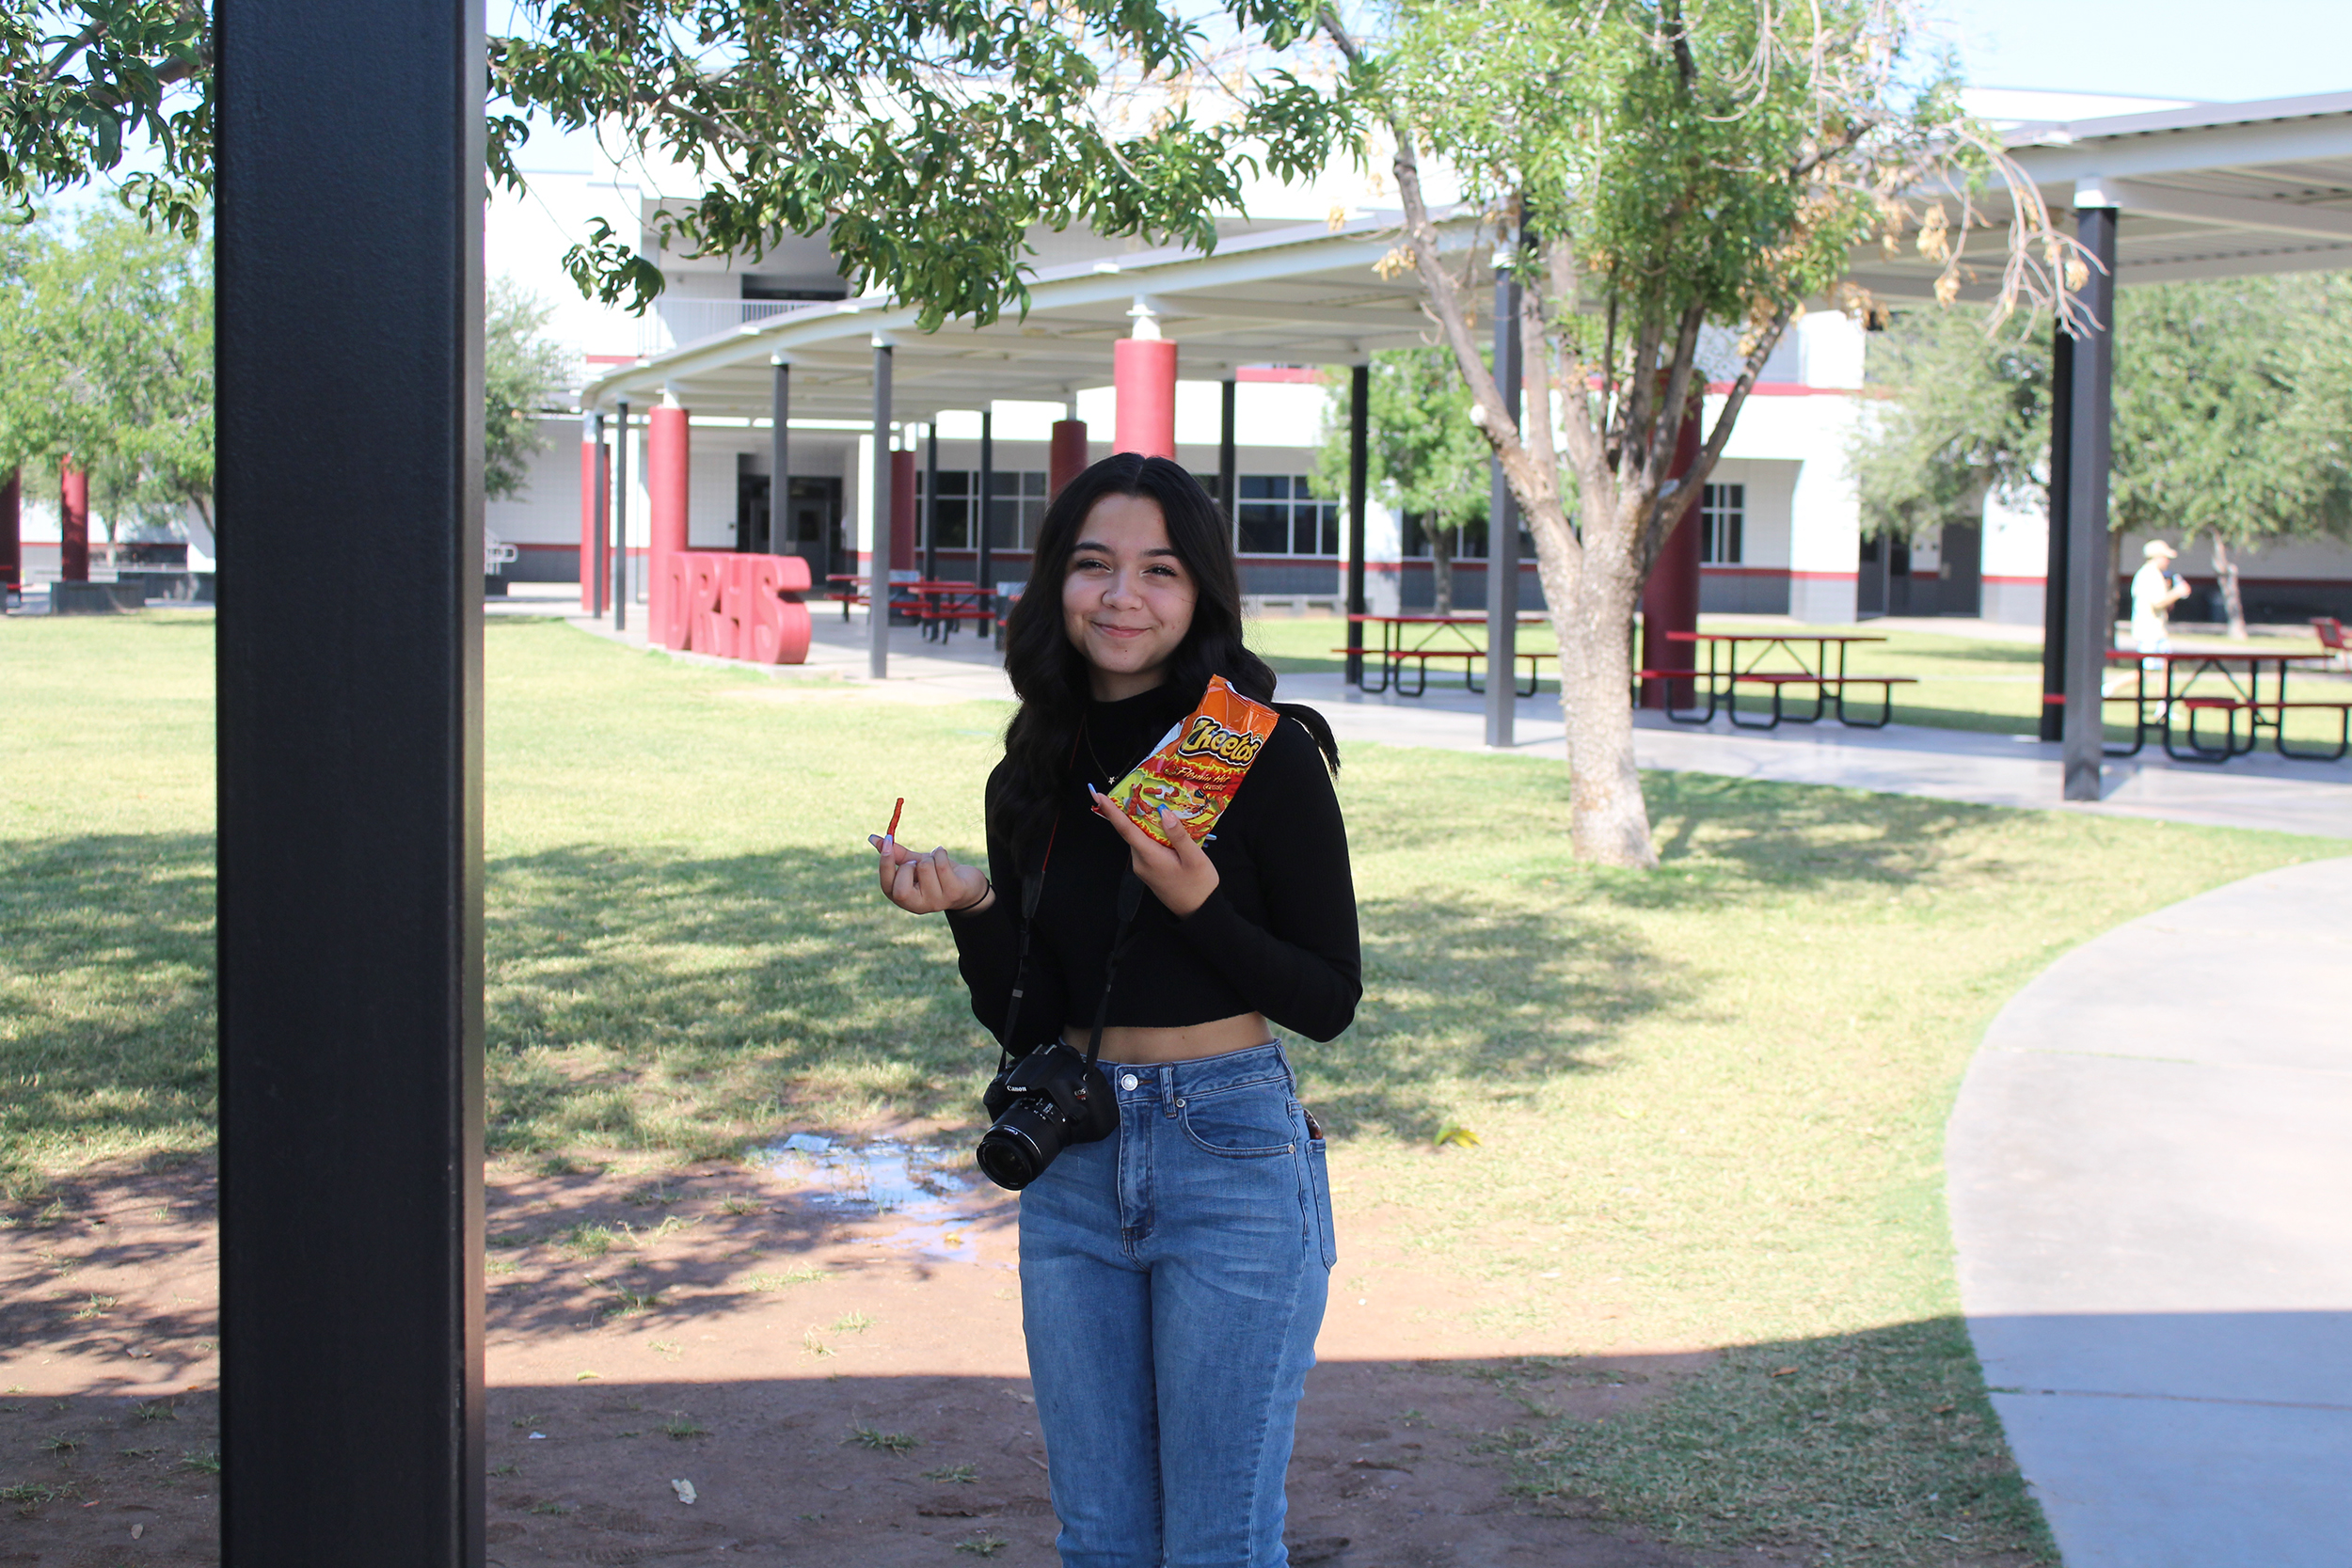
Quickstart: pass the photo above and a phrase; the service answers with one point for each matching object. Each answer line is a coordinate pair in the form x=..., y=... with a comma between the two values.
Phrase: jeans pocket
x=1252, y=1122
x=1319, y=1175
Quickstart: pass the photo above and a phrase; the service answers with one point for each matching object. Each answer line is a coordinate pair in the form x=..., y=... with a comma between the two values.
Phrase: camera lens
x=1025, y=1140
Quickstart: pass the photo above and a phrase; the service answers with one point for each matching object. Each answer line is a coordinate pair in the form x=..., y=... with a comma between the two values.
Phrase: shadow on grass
x=639, y=998
x=107, y=1000
x=1511, y=997
x=1877, y=1447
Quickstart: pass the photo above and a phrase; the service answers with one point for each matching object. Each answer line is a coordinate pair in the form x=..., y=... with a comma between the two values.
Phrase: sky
x=2182, y=48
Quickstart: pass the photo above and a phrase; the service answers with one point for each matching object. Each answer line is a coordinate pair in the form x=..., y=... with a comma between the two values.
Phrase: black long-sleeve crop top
x=1277, y=937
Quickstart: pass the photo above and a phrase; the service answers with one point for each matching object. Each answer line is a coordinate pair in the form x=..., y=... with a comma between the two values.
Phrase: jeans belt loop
x=1167, y=1089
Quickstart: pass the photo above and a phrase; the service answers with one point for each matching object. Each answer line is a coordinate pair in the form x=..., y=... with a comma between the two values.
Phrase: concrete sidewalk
x=2150, y=1169
x=2264, y=792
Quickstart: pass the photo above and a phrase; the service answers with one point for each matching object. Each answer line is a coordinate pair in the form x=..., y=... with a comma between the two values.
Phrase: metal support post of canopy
x=878, y=542
x=931, y=502
x=780, y=540
x=1503, y=533
x=350, y=783
x=2089, y=624
x=2053, y=726
x=621, y=439
x=1358, y=454
x=979, y=510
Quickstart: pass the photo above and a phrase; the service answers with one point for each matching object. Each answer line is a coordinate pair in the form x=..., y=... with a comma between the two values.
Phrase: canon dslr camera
x=1045, y=1101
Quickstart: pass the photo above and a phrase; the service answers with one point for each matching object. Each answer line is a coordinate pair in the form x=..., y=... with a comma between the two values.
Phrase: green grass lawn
x=1710, y=1101
x=1963, y=683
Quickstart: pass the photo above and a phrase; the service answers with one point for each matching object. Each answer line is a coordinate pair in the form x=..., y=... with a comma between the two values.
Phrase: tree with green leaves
x=926, y=141
x=107, y=328
x=523, y=372
x=2232, y=418
x=1646, y=169
x=88, y=82
x=1425, y=459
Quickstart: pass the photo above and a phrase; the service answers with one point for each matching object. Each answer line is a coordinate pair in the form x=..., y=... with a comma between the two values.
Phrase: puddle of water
x=949, y=1241
x=917, y=1181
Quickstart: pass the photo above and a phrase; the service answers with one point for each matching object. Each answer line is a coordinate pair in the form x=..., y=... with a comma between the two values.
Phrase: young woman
x=1172, y=1274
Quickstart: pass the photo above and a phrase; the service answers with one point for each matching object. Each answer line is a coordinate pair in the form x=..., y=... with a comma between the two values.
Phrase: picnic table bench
x=2240, y=697
x=1441, y=637
x=1724, y=675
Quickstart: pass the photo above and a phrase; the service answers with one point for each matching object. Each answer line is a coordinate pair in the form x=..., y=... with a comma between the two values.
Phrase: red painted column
x=13, y=532
x=1143, y=377
x=668, y=445
x=588, y=499
x=73, y=522
x=1067, y=458
x=901, y=511
x=1669, y=599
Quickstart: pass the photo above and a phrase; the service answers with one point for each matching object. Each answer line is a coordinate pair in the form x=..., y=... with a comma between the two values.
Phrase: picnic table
x=850, y=588
x=1775, y=661
x=2234, y=692
x=939, y=606
x=1423, y=638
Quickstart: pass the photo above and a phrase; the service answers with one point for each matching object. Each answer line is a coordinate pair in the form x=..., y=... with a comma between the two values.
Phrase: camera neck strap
x=1130, y=903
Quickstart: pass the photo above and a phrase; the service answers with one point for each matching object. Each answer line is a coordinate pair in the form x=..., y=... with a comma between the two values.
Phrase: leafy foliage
x=107, y=328
x=1646, y=169
x=2232, y=413
x=930, y=141
x=1963, y=414
x=86, y=79
x=1426, y=460
x=519, y=369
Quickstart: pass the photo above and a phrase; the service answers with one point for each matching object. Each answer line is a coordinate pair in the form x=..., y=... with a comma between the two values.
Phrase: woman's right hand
x=930, y=883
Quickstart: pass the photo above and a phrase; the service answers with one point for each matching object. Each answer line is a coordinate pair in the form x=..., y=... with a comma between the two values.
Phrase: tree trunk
x=2233, y=601
x=1441, y=568
x=1591, y=614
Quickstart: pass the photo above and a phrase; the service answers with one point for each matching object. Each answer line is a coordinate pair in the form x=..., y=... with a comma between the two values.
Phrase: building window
x=1722, y=511
x=1282, y=515
x=1019, y=507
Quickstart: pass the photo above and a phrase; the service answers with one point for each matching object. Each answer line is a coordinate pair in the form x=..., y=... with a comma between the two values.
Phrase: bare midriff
x=1127, y=1043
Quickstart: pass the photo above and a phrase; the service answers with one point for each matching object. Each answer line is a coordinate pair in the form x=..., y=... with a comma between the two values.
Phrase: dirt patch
x=827, y=1352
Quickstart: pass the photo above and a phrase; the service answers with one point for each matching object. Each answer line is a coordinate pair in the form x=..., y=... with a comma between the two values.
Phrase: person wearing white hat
x=2152, y=595
x=2154, y=592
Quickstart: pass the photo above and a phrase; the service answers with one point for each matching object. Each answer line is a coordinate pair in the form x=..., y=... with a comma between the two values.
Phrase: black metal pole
x=878, y=564
x=2089, y=624
x=620, y=513
x=350, y=783
x=604, y=518
x=1227, y=454
x=930, y=504
x=1502, y=533
x=2054, y=575
x=980, y=573
x=780, y=540
x=1359, y=456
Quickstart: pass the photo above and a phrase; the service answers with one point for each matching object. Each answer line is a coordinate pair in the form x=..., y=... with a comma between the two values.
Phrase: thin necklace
x=1086, y=731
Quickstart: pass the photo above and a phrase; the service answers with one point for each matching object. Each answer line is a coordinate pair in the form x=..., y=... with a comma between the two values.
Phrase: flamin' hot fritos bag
x=1198, y=764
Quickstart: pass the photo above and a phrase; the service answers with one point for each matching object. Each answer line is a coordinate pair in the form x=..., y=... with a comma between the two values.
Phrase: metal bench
x=1395, y=662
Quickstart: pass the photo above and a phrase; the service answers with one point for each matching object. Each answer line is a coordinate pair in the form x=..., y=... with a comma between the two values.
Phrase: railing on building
x=672, y=321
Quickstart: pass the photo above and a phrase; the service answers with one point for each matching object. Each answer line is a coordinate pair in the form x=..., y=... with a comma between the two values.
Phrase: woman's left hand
x=1182, y=878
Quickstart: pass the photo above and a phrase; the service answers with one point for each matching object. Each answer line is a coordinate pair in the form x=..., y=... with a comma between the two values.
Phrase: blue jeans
x=1172, y=1280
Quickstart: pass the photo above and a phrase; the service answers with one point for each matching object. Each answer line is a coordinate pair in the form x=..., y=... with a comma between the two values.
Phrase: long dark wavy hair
x=1049, y=675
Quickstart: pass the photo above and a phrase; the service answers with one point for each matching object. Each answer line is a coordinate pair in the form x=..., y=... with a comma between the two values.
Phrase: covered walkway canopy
x=2200, y=192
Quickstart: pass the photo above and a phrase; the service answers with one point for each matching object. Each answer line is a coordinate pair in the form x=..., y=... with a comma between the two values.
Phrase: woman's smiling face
x=1127, y=600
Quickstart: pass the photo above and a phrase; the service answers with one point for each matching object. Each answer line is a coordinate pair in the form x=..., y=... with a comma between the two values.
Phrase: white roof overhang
x=2209, y=191
x=1303, y=296
x=2214, y=190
